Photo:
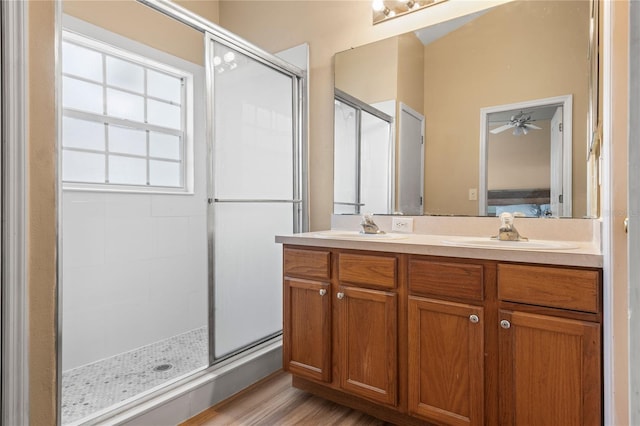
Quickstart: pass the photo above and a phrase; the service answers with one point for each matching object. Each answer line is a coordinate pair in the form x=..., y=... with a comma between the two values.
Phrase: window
x=124, y=123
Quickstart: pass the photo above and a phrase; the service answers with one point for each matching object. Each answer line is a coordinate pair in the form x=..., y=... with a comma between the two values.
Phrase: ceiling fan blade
x=501, y=128
x=532, y=126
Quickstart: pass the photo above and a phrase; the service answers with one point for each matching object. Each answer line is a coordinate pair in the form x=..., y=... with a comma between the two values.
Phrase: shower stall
x=178, y=167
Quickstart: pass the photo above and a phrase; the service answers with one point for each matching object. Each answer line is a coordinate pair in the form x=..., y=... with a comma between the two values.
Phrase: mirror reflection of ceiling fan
x=520, y=123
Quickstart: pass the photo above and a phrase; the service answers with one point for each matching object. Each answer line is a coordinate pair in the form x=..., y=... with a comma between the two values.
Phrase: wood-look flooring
x=274, y=401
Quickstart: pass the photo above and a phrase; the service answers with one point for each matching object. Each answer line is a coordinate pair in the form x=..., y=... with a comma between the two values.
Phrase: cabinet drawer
x=446, y=279
x=307, y=263
x=368, y=270
x=573, y=289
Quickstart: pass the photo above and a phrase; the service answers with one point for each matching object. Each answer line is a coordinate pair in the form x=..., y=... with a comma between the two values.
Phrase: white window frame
x=186, y=133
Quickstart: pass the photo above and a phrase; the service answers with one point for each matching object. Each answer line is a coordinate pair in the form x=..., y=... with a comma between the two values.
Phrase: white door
x=557, y=205
x=411, y=162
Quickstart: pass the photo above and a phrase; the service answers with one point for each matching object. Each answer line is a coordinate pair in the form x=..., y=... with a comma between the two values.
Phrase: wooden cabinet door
x=307, y=328
x=367, y=327
x=550, y=370
x=446, y=361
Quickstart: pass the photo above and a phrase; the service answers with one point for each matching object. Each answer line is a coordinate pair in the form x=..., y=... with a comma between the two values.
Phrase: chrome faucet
x=507, y=231
x=368, y=225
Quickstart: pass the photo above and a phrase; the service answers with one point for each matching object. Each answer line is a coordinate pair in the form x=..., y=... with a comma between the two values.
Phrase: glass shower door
x=256, y=195
x=346, y=172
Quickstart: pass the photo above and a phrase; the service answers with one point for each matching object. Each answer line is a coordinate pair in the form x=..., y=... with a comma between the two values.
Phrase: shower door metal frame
x=360, y=106
x=298, y=201
x=14, y=368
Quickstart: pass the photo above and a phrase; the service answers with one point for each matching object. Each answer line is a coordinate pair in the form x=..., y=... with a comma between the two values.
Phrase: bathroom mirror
x=515, y=53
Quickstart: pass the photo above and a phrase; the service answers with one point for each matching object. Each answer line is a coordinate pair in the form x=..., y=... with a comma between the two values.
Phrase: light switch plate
x=402, y=224
x=473, y=194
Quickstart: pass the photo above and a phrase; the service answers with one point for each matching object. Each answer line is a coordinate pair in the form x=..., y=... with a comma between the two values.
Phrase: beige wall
x=41, y=223
x=42, y=193
x=369, y=73
x=410, y=72
x=454, y=95
x=389, y=69
x=516, y=162
x=159, y=31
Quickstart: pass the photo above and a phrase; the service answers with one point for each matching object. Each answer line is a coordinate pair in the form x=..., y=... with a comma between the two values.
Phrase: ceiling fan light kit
x=521, y=124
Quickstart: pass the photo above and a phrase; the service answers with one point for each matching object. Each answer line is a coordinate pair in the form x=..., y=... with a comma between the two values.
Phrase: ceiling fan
x=520, y=123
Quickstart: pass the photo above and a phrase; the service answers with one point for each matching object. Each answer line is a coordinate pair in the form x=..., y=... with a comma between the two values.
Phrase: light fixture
x=228, y=61
x=409, y=3
x=520, y=130
x=387, y=9
x=229, y=57
x=379, y=6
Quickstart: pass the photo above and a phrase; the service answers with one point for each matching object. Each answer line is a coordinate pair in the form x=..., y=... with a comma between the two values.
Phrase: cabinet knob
x=505, y=324
x=474, y=319
x=340, y=295
x=323, y=292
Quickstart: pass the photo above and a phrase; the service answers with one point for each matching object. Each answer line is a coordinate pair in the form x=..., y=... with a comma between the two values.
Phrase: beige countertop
x=578, y=253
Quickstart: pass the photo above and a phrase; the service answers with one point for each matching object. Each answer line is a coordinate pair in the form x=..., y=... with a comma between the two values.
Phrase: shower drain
x=163, y=367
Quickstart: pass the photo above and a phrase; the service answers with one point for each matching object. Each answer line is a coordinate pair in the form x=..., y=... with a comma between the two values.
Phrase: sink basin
x=355, y=235
x=489, y=243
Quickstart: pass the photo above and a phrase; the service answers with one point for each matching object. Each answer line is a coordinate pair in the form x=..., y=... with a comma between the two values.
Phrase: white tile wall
x=85, y=229
x=170, y=236
x=134, y=271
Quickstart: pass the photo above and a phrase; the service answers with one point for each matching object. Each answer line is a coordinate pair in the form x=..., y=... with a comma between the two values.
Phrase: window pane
x=163, y=114
x=164, y=146
x=125, y=75
x=164, y=86
x=81, y=95
x=164, y=173
x=125, y=105
x=127, y=141
x=81, y=61
x=82, y=167
x=126, y=170
x=82, y=134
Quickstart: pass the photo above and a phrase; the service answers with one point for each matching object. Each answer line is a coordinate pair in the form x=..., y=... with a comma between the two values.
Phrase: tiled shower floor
x=92, y=387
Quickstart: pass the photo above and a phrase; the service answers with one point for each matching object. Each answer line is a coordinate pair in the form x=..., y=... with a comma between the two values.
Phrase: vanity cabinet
x=366, y=307
x=307, y=313
x=344, y=333
x=549, y=345
x=446, y=341
x=421, y=339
